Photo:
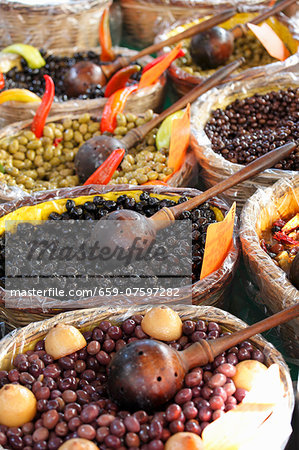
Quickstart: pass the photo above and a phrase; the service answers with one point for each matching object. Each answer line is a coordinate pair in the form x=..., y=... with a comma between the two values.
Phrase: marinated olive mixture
x=247, y=46
x=148, y=205
x=56, y=67
x=48, y=163
x=247, y=129
x=72, y=398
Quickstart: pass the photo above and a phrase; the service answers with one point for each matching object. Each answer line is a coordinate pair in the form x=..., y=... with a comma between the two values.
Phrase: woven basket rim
x=251, y=240
x=72, y=6
x=217, y=278
x=116, y=314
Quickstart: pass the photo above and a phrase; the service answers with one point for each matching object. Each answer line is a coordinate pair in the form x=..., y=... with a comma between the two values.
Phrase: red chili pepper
x=107, y=53
x=57, y=141
x=115, y=105
x=159, y=59
x=2, y=82
x=153, y=74
x=120, y=78
x=42, y=112
x=104, y=173
x=282, y=237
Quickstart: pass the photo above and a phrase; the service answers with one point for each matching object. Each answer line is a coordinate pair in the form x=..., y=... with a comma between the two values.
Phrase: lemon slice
x=164, y=132
x=19, y=95
x=29, y=53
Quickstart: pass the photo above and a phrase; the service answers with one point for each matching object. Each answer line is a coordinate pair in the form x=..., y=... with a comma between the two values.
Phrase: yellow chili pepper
x=18, y=95
x=29, y=53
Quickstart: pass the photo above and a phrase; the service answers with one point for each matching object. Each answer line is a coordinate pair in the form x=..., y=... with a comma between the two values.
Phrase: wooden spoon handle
x=255, y=167
x=241, y=29
x=123, y=61
x=204, y=352
x=195, y=29
x=137, y=134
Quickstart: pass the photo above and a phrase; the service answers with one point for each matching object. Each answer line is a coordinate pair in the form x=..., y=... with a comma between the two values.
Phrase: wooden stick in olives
x=94, y=151
x=213, y=47
x=145, y=374
x=134, y=226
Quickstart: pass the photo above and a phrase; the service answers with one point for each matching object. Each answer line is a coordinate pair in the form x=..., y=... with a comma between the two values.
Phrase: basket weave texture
x=24, y=339
x=144, y=19
x=209, y=291
x=215, y=168
x=275, y=290
x=51, y=23
x=150, y=97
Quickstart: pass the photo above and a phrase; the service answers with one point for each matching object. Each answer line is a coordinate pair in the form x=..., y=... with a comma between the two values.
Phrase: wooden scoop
x=136, y=226
x=147, y=373
x=85, y=73
x=213, y=47
x=94, y=151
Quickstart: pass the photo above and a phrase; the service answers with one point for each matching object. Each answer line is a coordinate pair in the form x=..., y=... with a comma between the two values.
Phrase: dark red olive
x=212, y=48
x=82, y=76
x=294, y=271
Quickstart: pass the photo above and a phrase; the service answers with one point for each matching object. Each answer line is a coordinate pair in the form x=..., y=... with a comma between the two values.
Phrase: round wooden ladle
x=94, y=151
x=213, y=47
x=147, y=373
x=81, y=75
x=133, y=226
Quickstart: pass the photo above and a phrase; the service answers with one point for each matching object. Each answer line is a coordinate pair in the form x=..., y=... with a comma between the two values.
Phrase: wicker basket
x=275, y=290
x=287, y=29
x=154, y=15
x=25, y=339
x=186, y=176
x=150, y=97
x=51, y=23
x=215, y=167
x=209, y=291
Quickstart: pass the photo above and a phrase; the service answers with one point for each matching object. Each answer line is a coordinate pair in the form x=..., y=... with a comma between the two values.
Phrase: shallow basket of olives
x=242, y=120
x=260, y=218
x=30, y=164
x=94, y=202
x=185, y=73
x=154, y=15
x=66, y=374
x=58, y=61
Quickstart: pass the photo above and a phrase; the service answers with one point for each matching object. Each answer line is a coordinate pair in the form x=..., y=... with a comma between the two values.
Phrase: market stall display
x=221, y=147
x=189, y=70
x=104, y=333
x=261, y=213
x=96, y=201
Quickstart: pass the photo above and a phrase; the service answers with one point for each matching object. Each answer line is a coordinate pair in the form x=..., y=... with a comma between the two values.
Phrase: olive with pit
x=83, y=76
x=212, y=48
